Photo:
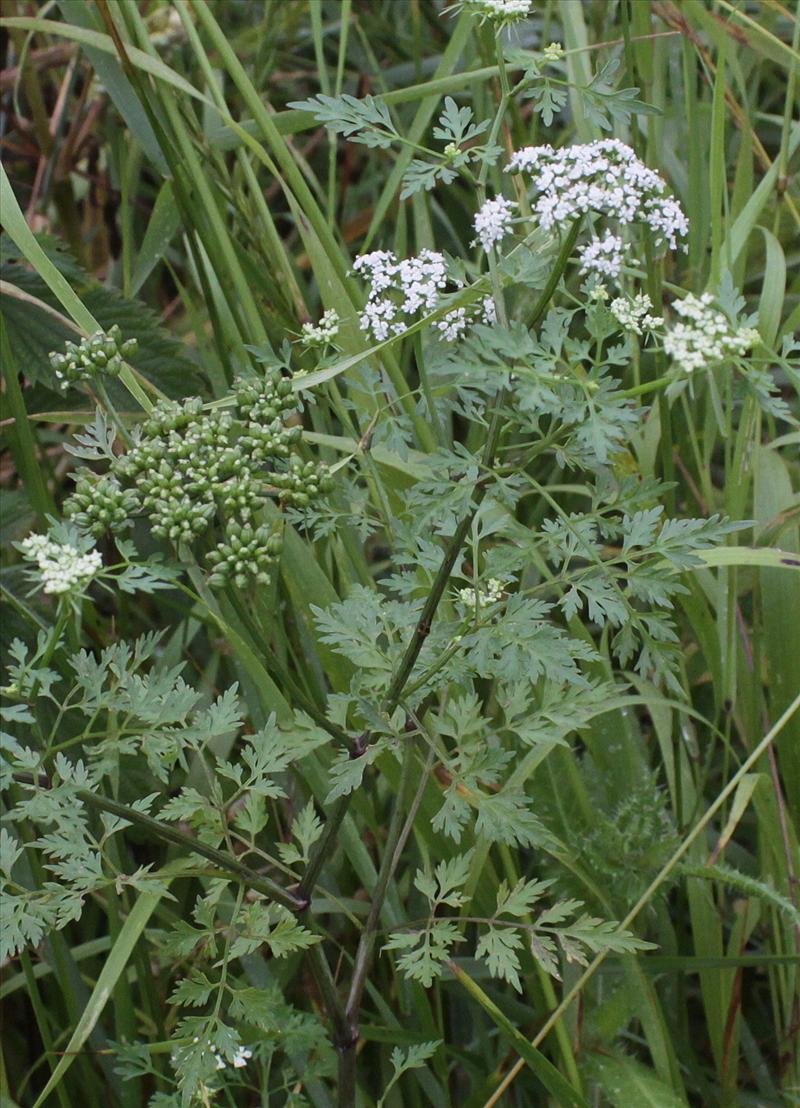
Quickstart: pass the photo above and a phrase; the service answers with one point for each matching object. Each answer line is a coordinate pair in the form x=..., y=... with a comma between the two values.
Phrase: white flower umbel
x=239, y=1060
x=496, y=11
x=61, y=566
x=320, y=334
x=602, y=256
x=604, y=177
x=633, y=314
x=482, y=598
x=493, y=221
x=421, y=278
x=399, y=289
x=706, y=336
x=415, y=282
x=455, y=323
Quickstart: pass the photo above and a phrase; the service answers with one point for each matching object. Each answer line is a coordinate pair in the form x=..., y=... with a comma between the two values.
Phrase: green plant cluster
x=101, y=354
x=407, y=712
x=190, y=469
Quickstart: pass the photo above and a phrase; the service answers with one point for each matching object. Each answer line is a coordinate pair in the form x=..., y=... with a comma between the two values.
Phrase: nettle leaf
x=364, y=120
x=34, y=332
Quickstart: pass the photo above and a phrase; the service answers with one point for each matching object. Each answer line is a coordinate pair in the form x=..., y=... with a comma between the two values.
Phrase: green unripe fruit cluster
x=264, y=400
x=101, y=353
x=302, y=482
x=240, y=498
x=190, y=468
x=246, y=552
x=262, y=406
x=101, y=505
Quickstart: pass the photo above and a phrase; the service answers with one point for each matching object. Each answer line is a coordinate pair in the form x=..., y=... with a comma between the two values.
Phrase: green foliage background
x=256, y=818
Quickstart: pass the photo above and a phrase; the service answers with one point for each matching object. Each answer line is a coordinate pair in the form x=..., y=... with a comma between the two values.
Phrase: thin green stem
x=227, y=865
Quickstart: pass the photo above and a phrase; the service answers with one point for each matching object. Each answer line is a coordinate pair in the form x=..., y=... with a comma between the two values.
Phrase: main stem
x=346, y=1048
x=346, y=1045
x=227, y=864
x=452, y=551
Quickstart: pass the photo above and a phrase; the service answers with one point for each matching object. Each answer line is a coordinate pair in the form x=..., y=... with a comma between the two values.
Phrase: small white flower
x=633, y=315
x=453, y=325
x=493, y=221
x=707, y=337
x=489, y=309
x=489, y=594
x=61, y=566
x=398, y=289
x=602, y=256
x=604, y=177
x=498, y=11
x=323, y=332
x=241, y=1057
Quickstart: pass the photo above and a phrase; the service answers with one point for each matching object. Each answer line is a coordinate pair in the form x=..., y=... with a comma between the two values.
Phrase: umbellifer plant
x=435, y=778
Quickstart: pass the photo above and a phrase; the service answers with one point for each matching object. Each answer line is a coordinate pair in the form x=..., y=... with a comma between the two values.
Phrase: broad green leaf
x=164, y=221
x=110, y=72
x=626, y=1082
x=773, y=289
x=747, y=219
x=750, y=556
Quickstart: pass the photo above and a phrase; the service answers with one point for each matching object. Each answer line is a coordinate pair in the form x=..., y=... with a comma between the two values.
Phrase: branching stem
x=228, y=865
